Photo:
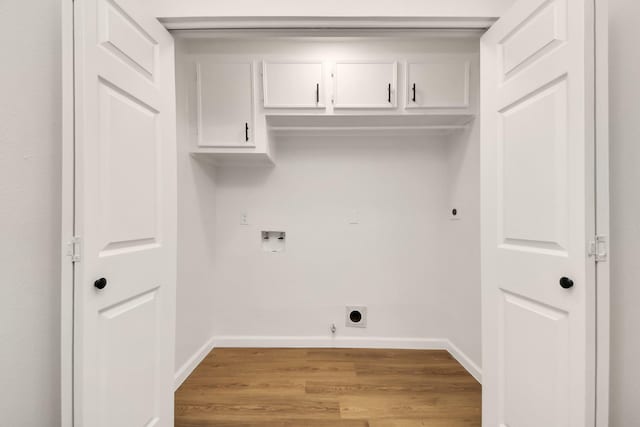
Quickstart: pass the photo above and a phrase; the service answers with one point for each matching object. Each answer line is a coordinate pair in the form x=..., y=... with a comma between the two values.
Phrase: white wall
x=391, y=262
x=30, y=100
x=463, y=242
x=196, y=240
x=624, y=78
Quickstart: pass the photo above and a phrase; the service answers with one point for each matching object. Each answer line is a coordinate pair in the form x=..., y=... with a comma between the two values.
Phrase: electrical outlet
x=356, y=316
x=244, y=218
x=354, y=217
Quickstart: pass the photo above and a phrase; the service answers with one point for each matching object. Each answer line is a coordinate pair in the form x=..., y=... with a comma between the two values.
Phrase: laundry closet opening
x=328, y=197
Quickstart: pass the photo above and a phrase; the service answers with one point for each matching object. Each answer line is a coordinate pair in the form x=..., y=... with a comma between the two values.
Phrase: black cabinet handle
x=317, y=93
x=566, y=283
x=389, y=92
x=414, y=93
x=246, y=131
x=101, y=283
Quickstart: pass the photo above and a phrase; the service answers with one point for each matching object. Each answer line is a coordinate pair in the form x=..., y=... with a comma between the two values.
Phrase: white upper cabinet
x=365, y=84
x=438, y=84
x=225, y=104
x=293, y=85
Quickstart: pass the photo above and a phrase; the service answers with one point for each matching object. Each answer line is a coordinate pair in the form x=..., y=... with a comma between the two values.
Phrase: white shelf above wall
x=233, y=159
x=392, y=124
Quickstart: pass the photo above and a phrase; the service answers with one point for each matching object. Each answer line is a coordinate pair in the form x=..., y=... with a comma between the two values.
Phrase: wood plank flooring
x=328, y=387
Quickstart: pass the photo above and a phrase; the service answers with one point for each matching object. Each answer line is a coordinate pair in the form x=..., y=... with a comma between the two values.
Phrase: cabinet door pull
x=317, y=93
x=414, y=93
x=389, y=93
x=246, y=131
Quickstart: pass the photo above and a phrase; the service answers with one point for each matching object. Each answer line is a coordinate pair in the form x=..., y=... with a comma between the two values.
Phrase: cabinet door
x=225, y=104
x=365, y=84
x=293, y=85
x=438, y=84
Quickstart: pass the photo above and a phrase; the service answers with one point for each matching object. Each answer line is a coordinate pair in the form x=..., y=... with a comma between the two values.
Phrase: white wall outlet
x=356, y=316
x=354, y=217
x=244, y=218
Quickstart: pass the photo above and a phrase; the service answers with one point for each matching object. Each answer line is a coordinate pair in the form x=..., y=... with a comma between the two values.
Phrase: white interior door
x=125, y=215
x=537, y=160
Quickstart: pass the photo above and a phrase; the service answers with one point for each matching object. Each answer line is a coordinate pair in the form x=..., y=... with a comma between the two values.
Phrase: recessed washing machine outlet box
x=273, y=241
x=356, y=316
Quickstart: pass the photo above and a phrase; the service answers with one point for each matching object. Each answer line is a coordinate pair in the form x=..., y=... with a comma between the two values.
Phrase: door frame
x=401, y=25
x=68, y=214
x=603, y=280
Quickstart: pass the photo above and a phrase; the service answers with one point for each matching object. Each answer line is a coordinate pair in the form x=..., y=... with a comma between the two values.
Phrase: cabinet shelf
x=234, y=159
x=347, y=124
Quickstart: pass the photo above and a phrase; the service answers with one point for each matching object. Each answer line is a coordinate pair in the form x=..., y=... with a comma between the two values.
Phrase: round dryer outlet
x=356, y=317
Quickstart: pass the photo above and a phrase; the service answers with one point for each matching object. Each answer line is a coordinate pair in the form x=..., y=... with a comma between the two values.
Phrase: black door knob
x=566, y=283
x=101, y=283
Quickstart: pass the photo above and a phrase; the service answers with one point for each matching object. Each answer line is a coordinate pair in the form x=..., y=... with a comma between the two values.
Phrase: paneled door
x=538, y=216
x=125, y=216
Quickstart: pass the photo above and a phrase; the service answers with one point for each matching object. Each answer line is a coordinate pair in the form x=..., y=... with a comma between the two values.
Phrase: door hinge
x=599, y=248
x=73, y=249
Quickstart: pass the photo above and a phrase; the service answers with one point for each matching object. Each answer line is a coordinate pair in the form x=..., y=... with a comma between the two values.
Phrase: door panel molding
x=120, y=202
x=537, y=202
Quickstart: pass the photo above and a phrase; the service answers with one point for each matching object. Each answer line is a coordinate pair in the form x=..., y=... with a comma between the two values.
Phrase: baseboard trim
x=465, y=361
x=187, y=368
x=347, y=342
x=331, y=342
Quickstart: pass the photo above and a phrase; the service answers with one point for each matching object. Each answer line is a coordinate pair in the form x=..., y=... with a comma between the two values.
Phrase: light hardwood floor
x=328, y=387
